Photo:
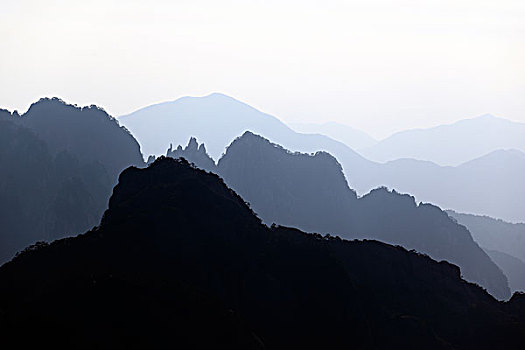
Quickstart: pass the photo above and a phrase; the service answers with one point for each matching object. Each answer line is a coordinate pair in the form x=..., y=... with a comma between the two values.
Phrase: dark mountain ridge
x=310, y=192
x=180, y=259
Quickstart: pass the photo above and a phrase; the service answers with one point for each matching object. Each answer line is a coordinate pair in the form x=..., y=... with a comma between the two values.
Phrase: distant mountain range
x=59, y=164
x=451, y=144
x=353, y=138
x=310, y=192
x=180, y=259
x=217, y=119
x=489, y=185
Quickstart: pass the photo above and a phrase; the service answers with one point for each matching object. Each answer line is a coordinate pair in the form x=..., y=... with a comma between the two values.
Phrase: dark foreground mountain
x=179, y=260
x=310, y=192
x=58, y=166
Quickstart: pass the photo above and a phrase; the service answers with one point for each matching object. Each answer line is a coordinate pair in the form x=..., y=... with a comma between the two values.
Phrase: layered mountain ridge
x=490, y=186
x=451, y=144
x=310, y=192
x=503, y=241
x=163, y=275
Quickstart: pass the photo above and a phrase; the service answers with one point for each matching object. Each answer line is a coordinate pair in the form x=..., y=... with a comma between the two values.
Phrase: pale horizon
x=371, y=133
x=378, y=66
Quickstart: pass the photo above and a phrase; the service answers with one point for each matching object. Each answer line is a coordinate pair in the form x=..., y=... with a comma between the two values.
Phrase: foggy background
x=379, y=66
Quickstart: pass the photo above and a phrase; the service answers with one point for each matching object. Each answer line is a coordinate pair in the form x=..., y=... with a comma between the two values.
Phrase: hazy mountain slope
x=59, y=164
x=217, y=119
x=43, y=197
x=89, y=133
x=353, y=138
x=288, y=188
x=310, y=193
x=512, y=267
x=451, y=144
x=179, y=259
x=490, y=185
x=494, y=234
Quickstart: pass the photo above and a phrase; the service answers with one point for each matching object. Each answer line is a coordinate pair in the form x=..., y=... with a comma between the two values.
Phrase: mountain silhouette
x=485, y=187
x=195, y=153
x=216, y=120
x=490, y=185
x=180, y=260
x=494, y=234
x=292, y=189
x=59, y=164
x=353, y=138
x=451, y=144
x=504, y=242
x=310, y=192
x=43, y=197
x=89, y=133
x=513, y=268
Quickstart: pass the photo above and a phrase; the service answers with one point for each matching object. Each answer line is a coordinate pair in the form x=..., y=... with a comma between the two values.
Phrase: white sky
x=377, y=65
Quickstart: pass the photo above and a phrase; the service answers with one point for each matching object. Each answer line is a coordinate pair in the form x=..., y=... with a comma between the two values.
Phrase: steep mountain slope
x=291, y=189
x=217, y=119
x=180, y=259
x=494, y=234
x=310, y=193
x=353, y=138
x=513, y=268
x=503, y=241
x=89, y=133
x=451, y=144
x=59, y=164
x=43, y=197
